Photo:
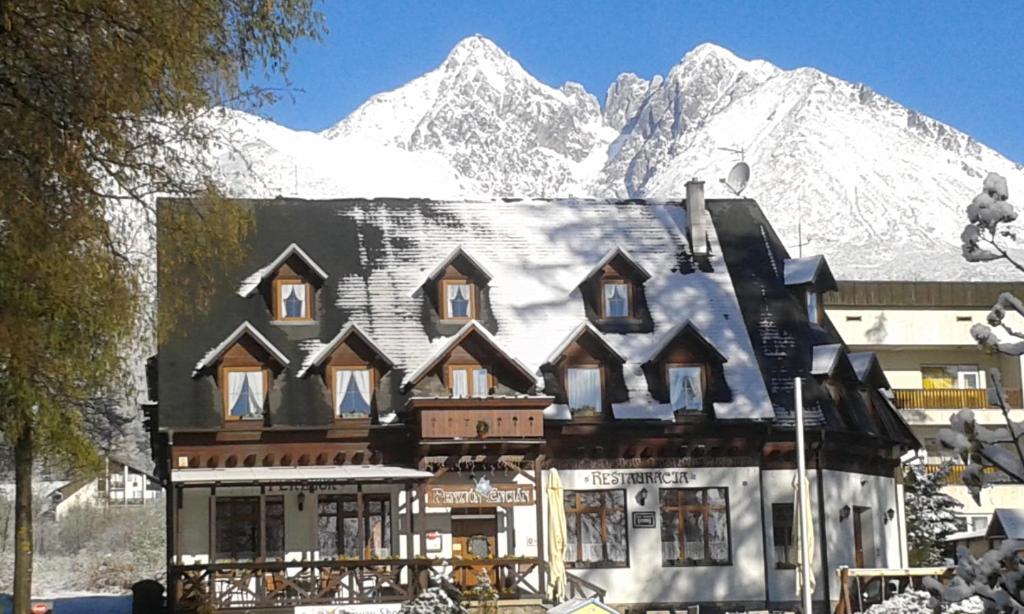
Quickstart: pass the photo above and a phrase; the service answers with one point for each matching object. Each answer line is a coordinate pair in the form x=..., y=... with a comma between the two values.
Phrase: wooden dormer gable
x=288, y=285
x=456, y=291
x=585, y=348
x=244, y=366
x=613, y=294
x=470, y=364
x=686, y=348
x=350, y=366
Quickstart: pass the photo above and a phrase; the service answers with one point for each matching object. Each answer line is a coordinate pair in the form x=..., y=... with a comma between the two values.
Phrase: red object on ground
x=40, y=608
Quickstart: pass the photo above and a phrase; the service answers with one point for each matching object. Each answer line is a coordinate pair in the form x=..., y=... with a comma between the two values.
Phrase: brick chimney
x=695, y=213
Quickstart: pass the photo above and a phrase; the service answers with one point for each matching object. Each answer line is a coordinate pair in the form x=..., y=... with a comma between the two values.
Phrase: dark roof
x=948, y=294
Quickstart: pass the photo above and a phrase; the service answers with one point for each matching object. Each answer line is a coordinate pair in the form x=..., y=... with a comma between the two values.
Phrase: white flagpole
x=801, y=464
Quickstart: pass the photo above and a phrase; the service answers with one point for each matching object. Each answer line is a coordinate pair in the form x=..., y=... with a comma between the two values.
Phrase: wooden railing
x=951, y=398
x=282, y=584
x=955, y=477
x=859, y=589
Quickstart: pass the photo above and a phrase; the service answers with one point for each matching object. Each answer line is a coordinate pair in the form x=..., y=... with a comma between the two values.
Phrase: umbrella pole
x=801, y=464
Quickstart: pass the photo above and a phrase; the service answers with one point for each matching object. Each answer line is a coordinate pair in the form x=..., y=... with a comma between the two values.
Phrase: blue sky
x=962, y=63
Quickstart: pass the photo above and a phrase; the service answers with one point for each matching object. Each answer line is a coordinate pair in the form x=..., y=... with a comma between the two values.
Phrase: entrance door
x=863, y=542
x=474, y=536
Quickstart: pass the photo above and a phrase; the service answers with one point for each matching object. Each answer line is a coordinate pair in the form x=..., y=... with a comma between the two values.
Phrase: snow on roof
x=574, y=335
x=644, y=409
x=798, y=271
x=243, y=328
x=612, y=253
x=579, y=603
x=671, y=335
x=824, y=358
x=342, y=473
x=1008, y=523
x=323, y=350
x=861, y=362
x=535, y=251
x=965, y=535
x=451, y=342
x=253, y=281
x=455, y=253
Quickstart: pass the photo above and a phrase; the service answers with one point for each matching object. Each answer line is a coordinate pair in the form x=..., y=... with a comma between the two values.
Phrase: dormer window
x=459, y=300
x=686, y=392
x=811, y=277
x=353, y=392
x=583, y=390
x=245, y=392
x=616, y=299
x=813, y=313
x=292, y=300
x=468, y=381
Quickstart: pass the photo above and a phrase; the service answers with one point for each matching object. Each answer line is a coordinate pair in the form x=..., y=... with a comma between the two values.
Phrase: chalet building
x=919, y=334
x=120, y=484
x=385, y=389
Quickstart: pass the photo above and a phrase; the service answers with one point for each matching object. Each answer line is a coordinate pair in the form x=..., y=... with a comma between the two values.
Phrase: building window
x=353, y=393
x=468, y=381
x=694, y=526
x=458, y=301
x=616, y=299
x=338, y=526
x=685, y=390
x=583, y=390
x=782, y=535
x=239, y=528
x=950, y=376
x=292, y=300
x=596, y=528
x=812, y=307
x=245, y=393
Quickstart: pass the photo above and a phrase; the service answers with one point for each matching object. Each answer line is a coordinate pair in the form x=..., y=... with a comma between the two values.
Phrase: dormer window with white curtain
x=353, y=391
x=293, y=301
x=685, y=390
x=458, y=300
x=244, y=394
x=468, y=381
x=583, y=390
x=616, y=300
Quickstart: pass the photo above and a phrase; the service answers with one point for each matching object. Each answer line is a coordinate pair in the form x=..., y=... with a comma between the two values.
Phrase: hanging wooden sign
x=476, y=495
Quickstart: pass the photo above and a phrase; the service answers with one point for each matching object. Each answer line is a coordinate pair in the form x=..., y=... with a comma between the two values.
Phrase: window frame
x=387, y=512
x=957, y=370
x=443, y=299
x=279, y=315
x=812, y=298
x=470, y=381
x=576, y=512
x=598, y=411
x=789, y=532
x=226, y=390
x=630, y=292
x=260, y=550
x=703, y=377
x=681, y=509
x=332, y=378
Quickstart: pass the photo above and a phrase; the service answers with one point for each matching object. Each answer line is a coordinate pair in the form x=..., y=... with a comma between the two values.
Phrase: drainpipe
x=824, y=519
x=764, y=527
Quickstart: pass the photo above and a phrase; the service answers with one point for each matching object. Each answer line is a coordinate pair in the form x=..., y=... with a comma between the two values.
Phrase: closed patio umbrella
x=798, y=536
x=556, y=537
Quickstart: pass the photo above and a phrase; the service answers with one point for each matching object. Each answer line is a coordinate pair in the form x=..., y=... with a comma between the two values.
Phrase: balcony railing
x=277, y=584
x=955, y=477
x=951, y=398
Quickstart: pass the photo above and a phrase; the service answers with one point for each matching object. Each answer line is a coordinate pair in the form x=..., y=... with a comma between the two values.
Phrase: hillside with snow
x=878, y=188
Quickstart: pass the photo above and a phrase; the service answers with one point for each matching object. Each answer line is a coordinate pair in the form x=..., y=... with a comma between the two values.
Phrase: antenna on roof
x=739, y=175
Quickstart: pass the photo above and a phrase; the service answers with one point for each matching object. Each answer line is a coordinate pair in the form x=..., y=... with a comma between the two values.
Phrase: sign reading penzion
x=623, y=478
x=466, y=496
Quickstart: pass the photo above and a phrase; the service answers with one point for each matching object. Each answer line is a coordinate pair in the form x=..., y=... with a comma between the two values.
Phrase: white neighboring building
x=920, y=334
x=119, y=484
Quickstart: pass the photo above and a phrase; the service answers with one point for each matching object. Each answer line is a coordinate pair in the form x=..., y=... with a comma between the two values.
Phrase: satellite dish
x=738, y=178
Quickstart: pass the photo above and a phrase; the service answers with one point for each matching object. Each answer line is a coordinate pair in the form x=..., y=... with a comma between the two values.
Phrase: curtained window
x=338, y=526
x=239, y=526
x=685, y=388
x=596, y=528
x=694, y=526
x=616, y=300
x=812, y=307
x=293, y=301
x=458, y=300
x=583, y=390
x=783, y=534
x=465, y=382
x=352, y=392
x=245, y=394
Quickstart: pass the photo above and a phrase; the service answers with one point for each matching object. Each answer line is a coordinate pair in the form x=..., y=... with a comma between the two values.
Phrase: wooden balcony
x=281, y=584
x=955, y=476
x=951, y=398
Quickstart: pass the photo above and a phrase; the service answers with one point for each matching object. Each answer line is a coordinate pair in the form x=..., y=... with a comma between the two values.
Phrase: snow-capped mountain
x=878, y=188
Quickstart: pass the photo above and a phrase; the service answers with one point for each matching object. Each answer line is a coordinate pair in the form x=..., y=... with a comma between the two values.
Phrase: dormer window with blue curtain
x=616, y=299
x=292, y=300
x=245, y=394
x=353, y=392
x=458, y=300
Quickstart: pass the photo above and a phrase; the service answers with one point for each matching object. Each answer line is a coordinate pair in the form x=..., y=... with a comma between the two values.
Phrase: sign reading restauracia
x=458, y=495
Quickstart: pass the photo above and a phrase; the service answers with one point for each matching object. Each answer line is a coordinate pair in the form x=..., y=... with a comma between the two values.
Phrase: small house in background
x=592, y=605
x=119, y=484
x=1005, y=523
